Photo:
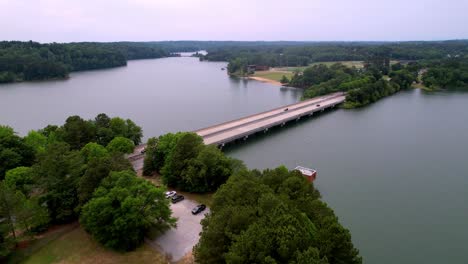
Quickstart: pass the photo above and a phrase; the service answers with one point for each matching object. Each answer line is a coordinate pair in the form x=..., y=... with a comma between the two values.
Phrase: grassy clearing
x=76, y=246
x=273, y=75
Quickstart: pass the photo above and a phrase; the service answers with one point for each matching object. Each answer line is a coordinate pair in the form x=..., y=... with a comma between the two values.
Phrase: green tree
x=36, y=140
x=7, y=242
x=104, y=133
x=14, y=152
x=78, y=132
x=150, y=161
x=123, y=209
x=58, y=171
x=207, y=171
x=21, y=179
x=126, y=128
x=97, y=169
x=121, y=144
x=284, y=80
x=20, y=213
x=93, y=151
x=186, y=148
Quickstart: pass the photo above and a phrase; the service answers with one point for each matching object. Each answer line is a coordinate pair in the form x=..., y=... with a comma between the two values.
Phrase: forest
x=278, y=54
x=26, y=61
x=61, y=174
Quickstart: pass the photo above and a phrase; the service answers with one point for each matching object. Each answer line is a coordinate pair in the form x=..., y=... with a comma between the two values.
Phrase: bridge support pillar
x=323, y=109
x=311, y=114
x=282, y=124
x=297, y=119
x=245, y=138
x=265, y=130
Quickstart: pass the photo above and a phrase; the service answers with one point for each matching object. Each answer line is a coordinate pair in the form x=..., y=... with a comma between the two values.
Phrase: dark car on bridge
x=177, y=198
x=198, y=209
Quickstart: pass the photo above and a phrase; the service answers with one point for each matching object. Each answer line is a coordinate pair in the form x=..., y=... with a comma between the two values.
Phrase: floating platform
x=310, y=174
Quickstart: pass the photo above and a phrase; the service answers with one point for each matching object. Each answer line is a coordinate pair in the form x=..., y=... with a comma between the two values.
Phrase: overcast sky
x=312, y=20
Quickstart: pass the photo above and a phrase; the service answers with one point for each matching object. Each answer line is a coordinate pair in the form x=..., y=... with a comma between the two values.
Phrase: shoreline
x=261, y=79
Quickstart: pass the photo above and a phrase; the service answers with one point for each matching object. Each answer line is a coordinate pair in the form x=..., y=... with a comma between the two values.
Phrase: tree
x=78, y=132
x=104, y=133
x=19, y=212
x=97, y=169
x=121, y=144
x=150, y=162
x=123, y=209
x=187, y=148
x=58, y=170
x=14, y=152
x=126, y=128
x=6, y=240
x=93, y=151
x=36, y=141
x=207, y=171
x=21, y=179
x=284, y=80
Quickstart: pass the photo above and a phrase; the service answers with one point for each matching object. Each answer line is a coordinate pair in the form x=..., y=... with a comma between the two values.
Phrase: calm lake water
x=395, y=172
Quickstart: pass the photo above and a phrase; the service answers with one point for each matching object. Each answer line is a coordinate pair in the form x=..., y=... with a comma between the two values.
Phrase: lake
x=395, y=172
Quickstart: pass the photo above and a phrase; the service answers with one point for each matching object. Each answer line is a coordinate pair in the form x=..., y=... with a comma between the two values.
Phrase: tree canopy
x=123, y=209
x=274, y=216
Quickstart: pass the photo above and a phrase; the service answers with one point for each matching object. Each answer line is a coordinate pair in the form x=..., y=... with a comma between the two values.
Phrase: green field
x=73, y=245
x=273, y=75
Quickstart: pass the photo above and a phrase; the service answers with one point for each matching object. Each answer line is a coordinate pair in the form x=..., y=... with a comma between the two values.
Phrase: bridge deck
x=243, y=127
x=248, y=119
x=229, y=131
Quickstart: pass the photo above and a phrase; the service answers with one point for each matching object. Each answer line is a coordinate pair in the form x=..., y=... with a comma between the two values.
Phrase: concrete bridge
x=244, y=127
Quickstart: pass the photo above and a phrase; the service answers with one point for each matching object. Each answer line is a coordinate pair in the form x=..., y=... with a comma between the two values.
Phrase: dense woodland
x=274, y=216
x=60, y=174
x=25, y=61
x=276, y=54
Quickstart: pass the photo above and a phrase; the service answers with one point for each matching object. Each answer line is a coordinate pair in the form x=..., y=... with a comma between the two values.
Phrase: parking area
x=179, y=241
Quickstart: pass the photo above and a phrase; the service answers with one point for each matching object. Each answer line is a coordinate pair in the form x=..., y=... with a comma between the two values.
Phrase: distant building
x=310, y=174
x=252, y=68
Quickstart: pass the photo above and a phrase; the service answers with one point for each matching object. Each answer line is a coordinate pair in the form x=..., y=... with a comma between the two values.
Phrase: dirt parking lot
x=179, y=241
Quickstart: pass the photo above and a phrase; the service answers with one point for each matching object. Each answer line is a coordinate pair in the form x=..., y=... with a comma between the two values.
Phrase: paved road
x=239, y=131
x=177, y=242
x=249, y=119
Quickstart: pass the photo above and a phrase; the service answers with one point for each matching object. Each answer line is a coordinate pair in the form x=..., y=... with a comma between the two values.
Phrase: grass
x=76, y=246
x=273, y=75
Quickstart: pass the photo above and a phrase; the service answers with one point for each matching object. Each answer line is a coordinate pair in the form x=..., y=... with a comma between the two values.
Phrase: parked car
x=170, y=194
x=198, y=209
x=177, y=198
